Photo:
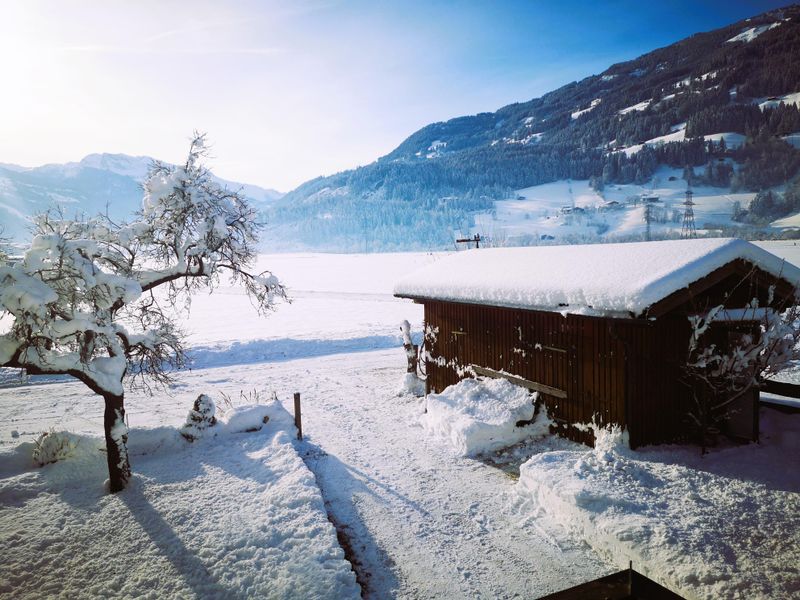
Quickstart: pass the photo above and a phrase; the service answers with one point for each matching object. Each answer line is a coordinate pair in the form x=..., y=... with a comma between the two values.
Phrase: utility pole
x=688, y=230
x=473, y=240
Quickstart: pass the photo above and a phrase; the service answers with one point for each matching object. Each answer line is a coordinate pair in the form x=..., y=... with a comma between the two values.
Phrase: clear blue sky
x=291, y=90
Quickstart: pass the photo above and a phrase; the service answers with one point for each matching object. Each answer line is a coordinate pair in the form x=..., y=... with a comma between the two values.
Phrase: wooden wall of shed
x=621, y=371
x=658, y=400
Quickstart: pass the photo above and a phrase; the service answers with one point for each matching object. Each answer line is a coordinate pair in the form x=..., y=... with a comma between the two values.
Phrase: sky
x=288, y=91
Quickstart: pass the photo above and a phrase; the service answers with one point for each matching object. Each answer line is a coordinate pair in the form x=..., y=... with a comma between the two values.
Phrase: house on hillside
x=599, y=330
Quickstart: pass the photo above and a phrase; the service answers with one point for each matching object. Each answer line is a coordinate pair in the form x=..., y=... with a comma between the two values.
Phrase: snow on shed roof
x=587, y=279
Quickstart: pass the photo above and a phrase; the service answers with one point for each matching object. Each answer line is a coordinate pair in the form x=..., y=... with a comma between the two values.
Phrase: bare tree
x=721, y=369
x=97, y=300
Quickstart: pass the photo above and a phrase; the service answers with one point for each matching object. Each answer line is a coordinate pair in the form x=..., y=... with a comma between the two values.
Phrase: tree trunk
x=119, y=467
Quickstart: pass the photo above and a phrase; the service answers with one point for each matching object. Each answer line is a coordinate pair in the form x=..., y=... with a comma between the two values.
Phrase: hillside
x=723, y=103
x=96, y=184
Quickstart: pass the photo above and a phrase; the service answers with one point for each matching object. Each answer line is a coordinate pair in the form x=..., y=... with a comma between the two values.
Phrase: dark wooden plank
x=790, y=390
x=532, y=385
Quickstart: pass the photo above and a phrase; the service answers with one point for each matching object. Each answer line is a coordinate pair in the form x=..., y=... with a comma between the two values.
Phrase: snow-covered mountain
x=667, y=110
x=98, y=183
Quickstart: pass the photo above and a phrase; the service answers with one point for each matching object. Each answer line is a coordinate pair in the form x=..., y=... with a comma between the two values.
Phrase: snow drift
x=720, y=526
x=477, y=416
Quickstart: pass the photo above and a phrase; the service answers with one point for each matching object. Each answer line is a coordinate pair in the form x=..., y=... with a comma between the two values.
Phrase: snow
x=435, y=150
x=775, y=102
x=678, y=134
x=230, y=516
x=594, y=103
x=420, y=521
x=732, y=139
x=636, y=107
x=722, y=525
x=413, y=385
x=618, y=279
x=479, y=416
x=246, y=418
x=793, y=139
x=748, y=35
x=535, y=214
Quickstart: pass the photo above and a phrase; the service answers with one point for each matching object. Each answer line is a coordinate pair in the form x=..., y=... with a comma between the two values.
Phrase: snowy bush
x=479, y=416
x=760, y=342
x=254, y=396
x=52, y=446
x=200, y=418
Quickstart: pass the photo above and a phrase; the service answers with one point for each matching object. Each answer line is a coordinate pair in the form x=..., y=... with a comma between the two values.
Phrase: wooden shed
x=601, y=331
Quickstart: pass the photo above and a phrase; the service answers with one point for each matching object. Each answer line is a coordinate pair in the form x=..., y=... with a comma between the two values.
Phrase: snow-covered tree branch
x=758, y=342
x=96, y=299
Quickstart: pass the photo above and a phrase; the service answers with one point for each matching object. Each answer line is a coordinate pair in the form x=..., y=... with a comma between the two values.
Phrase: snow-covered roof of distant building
x=608, y=279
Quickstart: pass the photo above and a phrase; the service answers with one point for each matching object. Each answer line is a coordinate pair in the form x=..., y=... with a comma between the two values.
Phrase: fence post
x=297, y=418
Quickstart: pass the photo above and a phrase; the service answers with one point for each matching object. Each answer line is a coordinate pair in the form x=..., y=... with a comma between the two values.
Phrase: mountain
x=96, y=184
x=719, y=108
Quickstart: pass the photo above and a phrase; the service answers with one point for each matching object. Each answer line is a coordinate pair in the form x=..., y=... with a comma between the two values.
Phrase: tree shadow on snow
x=258, y=351
x=195, y=574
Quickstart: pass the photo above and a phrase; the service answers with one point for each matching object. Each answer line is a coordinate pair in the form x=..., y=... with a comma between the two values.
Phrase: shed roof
x=616, y=279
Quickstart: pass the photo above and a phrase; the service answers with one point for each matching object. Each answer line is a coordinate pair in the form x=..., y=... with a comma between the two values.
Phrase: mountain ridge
x=98, y=183
x=664, y=108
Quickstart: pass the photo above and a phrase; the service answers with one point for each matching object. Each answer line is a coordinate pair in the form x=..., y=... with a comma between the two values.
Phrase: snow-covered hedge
x=226, y=517
x=479, y=416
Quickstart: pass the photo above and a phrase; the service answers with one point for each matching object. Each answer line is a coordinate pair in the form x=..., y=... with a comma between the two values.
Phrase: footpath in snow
x=422, y=521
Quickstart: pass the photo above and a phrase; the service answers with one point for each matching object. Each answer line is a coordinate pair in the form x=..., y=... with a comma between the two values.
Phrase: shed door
x=600, y=373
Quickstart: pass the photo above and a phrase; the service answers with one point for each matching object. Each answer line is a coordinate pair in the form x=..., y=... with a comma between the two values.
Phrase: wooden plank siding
x=580, y=355
x=623, y=371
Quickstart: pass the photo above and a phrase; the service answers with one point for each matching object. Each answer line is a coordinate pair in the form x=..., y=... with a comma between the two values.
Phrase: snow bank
x=477, y=416
x=229, y=516
x=720, y=526
x=617, y=279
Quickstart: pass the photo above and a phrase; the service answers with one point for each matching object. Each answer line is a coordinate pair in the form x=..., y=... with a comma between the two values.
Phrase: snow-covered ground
x=540, y=212
x=723, y=525
x=234, y=515
x=417, y=520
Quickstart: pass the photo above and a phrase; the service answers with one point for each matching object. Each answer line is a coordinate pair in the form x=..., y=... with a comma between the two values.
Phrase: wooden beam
x=684, y=295
x=739, y=267
x=526, y=383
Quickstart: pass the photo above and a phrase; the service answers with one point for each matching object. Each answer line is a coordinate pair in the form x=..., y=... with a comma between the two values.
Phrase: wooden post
x=297, y=419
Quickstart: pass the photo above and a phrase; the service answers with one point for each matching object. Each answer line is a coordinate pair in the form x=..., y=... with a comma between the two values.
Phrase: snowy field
x=537, y=211
x=238, y=515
